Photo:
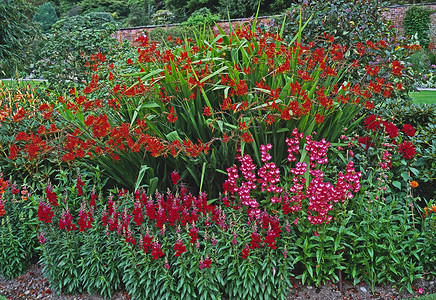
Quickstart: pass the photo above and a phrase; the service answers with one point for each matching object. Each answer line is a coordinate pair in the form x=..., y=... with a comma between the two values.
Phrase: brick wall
x=394, y=13
x=397, y=13
x=133, y=33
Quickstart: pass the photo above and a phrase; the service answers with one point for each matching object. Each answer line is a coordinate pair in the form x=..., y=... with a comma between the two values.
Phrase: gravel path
x=32, y=285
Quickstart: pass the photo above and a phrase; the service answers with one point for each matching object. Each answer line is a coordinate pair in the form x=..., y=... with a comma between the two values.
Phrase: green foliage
x=117, y=8
x=66, y=49
x=348, y=21
x=422, y=117
x=18, y=226
x=46, y=16
x=162, y=17
x=238, y=8
x=200, y=18
x=93, y=20
x=417, y=22
x=141, y=12
x=17, y=35
x=168, y=36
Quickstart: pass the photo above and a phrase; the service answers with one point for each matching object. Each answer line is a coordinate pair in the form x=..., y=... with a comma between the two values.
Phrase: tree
x=46, y=16
x=17, y=32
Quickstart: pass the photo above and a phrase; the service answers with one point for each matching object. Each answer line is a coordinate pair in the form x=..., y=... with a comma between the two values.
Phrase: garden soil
x=32, y=285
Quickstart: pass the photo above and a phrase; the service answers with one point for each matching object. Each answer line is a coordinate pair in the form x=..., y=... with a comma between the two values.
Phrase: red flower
x=408, y=130
x=172, y=117
x=179, y=248
x=193, y=233
x=246, y=137
x=147, y=243
x=372, y=122
x=206, y=111
x=13, y=149
x=205, y=263
x=407, y=149
x=245, y=252
x=397, y=67
x=391, y=129
x=129, y=61
x=156, y=251
x=319, y=118
x=255, y=240
x=175, y=177
x=365, y=142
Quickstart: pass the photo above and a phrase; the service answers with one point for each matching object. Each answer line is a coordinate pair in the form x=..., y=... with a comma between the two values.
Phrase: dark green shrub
x=140, y=13
x=201, y=17
x=46, y=16
x=93, y=20
x=116, y=7
x=66, y=49
x=238, y=8
x=17, y=36
x=417, y=22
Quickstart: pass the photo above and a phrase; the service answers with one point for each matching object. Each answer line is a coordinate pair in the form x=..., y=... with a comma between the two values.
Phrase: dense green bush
x=201, y=18
x=46, y=16
x=117, y=8
x=66, y=49
x=417, y=22
x=140, y=13
x=17, y=36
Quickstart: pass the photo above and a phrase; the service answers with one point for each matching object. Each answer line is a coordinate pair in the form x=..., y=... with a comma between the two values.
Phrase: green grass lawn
x=424, y=97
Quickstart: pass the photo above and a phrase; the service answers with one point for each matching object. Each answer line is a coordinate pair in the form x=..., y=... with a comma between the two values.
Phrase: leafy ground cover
x=424, y=97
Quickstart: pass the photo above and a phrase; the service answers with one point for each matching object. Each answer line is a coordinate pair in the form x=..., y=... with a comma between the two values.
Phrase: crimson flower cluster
x=374, y=123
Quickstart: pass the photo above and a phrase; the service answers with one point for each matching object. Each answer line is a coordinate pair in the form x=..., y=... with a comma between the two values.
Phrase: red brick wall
x=394, y=13
x=133, y=33
x=397, y=13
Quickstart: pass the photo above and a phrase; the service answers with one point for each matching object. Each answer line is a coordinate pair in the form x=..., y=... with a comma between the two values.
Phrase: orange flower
x=433, y=208
x=414, y=184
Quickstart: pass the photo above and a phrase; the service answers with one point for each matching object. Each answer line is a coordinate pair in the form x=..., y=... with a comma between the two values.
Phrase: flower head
x=407, y=149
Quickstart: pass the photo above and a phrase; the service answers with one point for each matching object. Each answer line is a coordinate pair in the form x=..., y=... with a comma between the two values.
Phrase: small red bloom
x=206, y=111
x=179, y=248
x=397, y=67
x=319, y=118
x=175, y=177
x=246, y=137
x=391, y=129
x=408, y=130
x=156, y=251
x=172, y=117
x=205, y=263
x=13, y=150
x=407, y=149
x=245, y=252
x=372, y=122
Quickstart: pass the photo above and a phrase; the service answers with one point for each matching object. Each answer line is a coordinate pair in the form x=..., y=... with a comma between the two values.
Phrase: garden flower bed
x=232, y=166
